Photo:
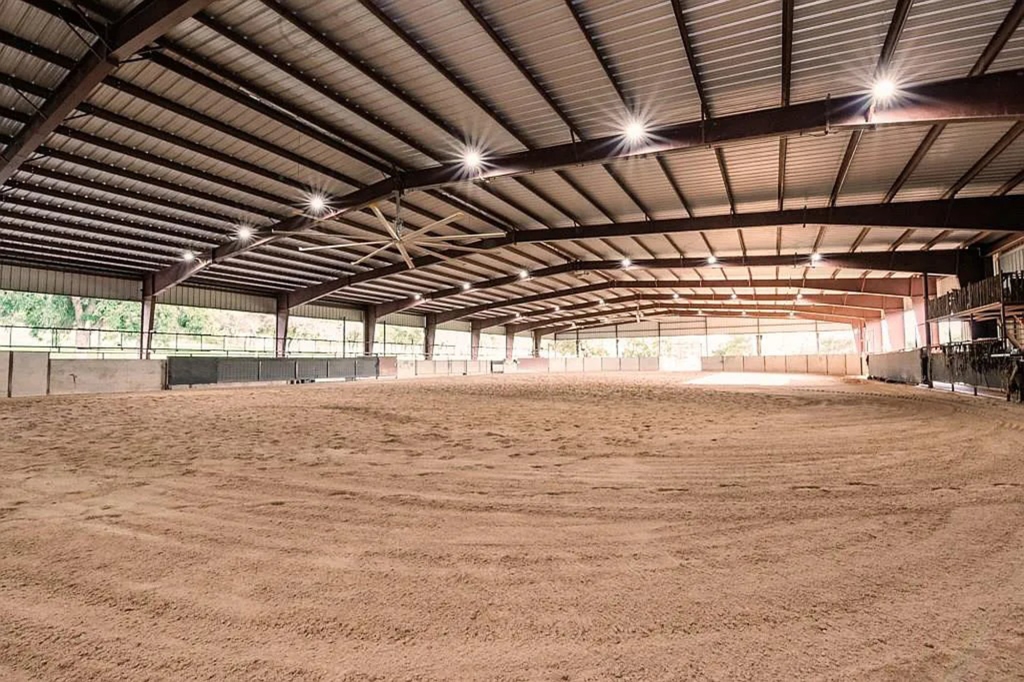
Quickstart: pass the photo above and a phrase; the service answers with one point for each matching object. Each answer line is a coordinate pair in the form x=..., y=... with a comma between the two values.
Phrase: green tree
x=640, y=348
x=736, y=345
x=53, y=311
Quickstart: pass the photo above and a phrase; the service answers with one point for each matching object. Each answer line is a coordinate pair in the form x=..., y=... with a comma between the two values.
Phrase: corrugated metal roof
x=546, y=38
x=836, y=46
x=139, y=179
x=812, y=162
x=738, y=44
x=943, y=39
x=955, y=151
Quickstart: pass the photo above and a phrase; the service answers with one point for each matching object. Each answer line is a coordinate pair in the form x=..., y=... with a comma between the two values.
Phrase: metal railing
x=1007, y=289
x=118, y=343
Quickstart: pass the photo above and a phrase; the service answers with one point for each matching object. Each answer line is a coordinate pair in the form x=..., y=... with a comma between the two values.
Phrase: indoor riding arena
x=511, y=340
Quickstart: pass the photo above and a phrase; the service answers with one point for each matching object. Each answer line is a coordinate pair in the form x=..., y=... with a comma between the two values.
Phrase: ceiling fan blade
x=339, y=246
x=372, y=254
x=437, y=223
x=405, y=255
x=384, y=221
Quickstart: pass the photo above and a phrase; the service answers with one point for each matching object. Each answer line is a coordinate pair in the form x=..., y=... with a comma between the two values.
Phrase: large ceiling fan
x=397, y=236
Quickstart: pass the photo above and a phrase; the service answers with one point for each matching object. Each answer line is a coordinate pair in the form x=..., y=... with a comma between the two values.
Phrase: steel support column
x=897, y=332
x=281, y=327
x=148, y=319
x=369, y=328
x=429, y=336
x=510, y=342
x=474, y=343
x=537, y=335
x=927, y=364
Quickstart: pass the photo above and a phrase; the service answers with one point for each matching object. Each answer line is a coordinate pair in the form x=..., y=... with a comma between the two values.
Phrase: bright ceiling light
x=524, y=274
x=472, y=158
x=792, y=314
x=734, y=297
x=188, y=256
x=417, y=297
x=675, y=296
x=815, y=258
x=712, y=260
x=317, y=202
x=635, y=130
x=518, y=315
x=466, y=286
x=626, y=262
x=557, y=309
x=600, y=301
x=883, y=90
x=244, y=232
x=799, y=297
x=744, y=313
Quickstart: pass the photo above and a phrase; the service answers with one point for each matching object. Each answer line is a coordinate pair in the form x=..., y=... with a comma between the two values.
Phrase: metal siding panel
x=41, y=281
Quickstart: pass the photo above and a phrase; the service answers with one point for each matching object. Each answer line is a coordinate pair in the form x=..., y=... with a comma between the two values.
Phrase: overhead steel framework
x=182, y=143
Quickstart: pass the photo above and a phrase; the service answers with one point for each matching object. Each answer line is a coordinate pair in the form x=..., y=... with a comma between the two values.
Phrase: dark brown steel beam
x=138, y=28
x=1000, y=213
x=997, y=96
x=752, y=311
x=862, y=301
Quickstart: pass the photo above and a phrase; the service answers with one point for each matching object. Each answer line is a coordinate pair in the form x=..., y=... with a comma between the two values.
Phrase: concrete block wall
x=29, y=374
x=36, y=374
x=835, y=365
x=105, y=376
x=5, y=374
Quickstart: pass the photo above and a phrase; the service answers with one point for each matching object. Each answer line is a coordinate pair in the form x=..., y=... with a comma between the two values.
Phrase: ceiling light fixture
x=712, y=260
x=472, y=158
x=244, y=233
x=626, y=262
x=883, y=90
x=466, y=286
x=524, y=274
x=188, y=256
x=317, y=202
x=635, y=131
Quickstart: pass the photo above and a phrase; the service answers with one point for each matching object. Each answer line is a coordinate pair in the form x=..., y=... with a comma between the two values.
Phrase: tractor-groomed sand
x=521, y=527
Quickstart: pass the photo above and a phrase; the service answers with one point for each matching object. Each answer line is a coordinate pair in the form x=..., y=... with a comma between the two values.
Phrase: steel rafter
x=998, y=213
x=142, y=25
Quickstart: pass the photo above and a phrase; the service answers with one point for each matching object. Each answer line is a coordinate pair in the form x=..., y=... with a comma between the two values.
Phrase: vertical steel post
x=369, y=328
x=429, y=335
x=148, y=318
x=281, y=327
x=927, y=337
